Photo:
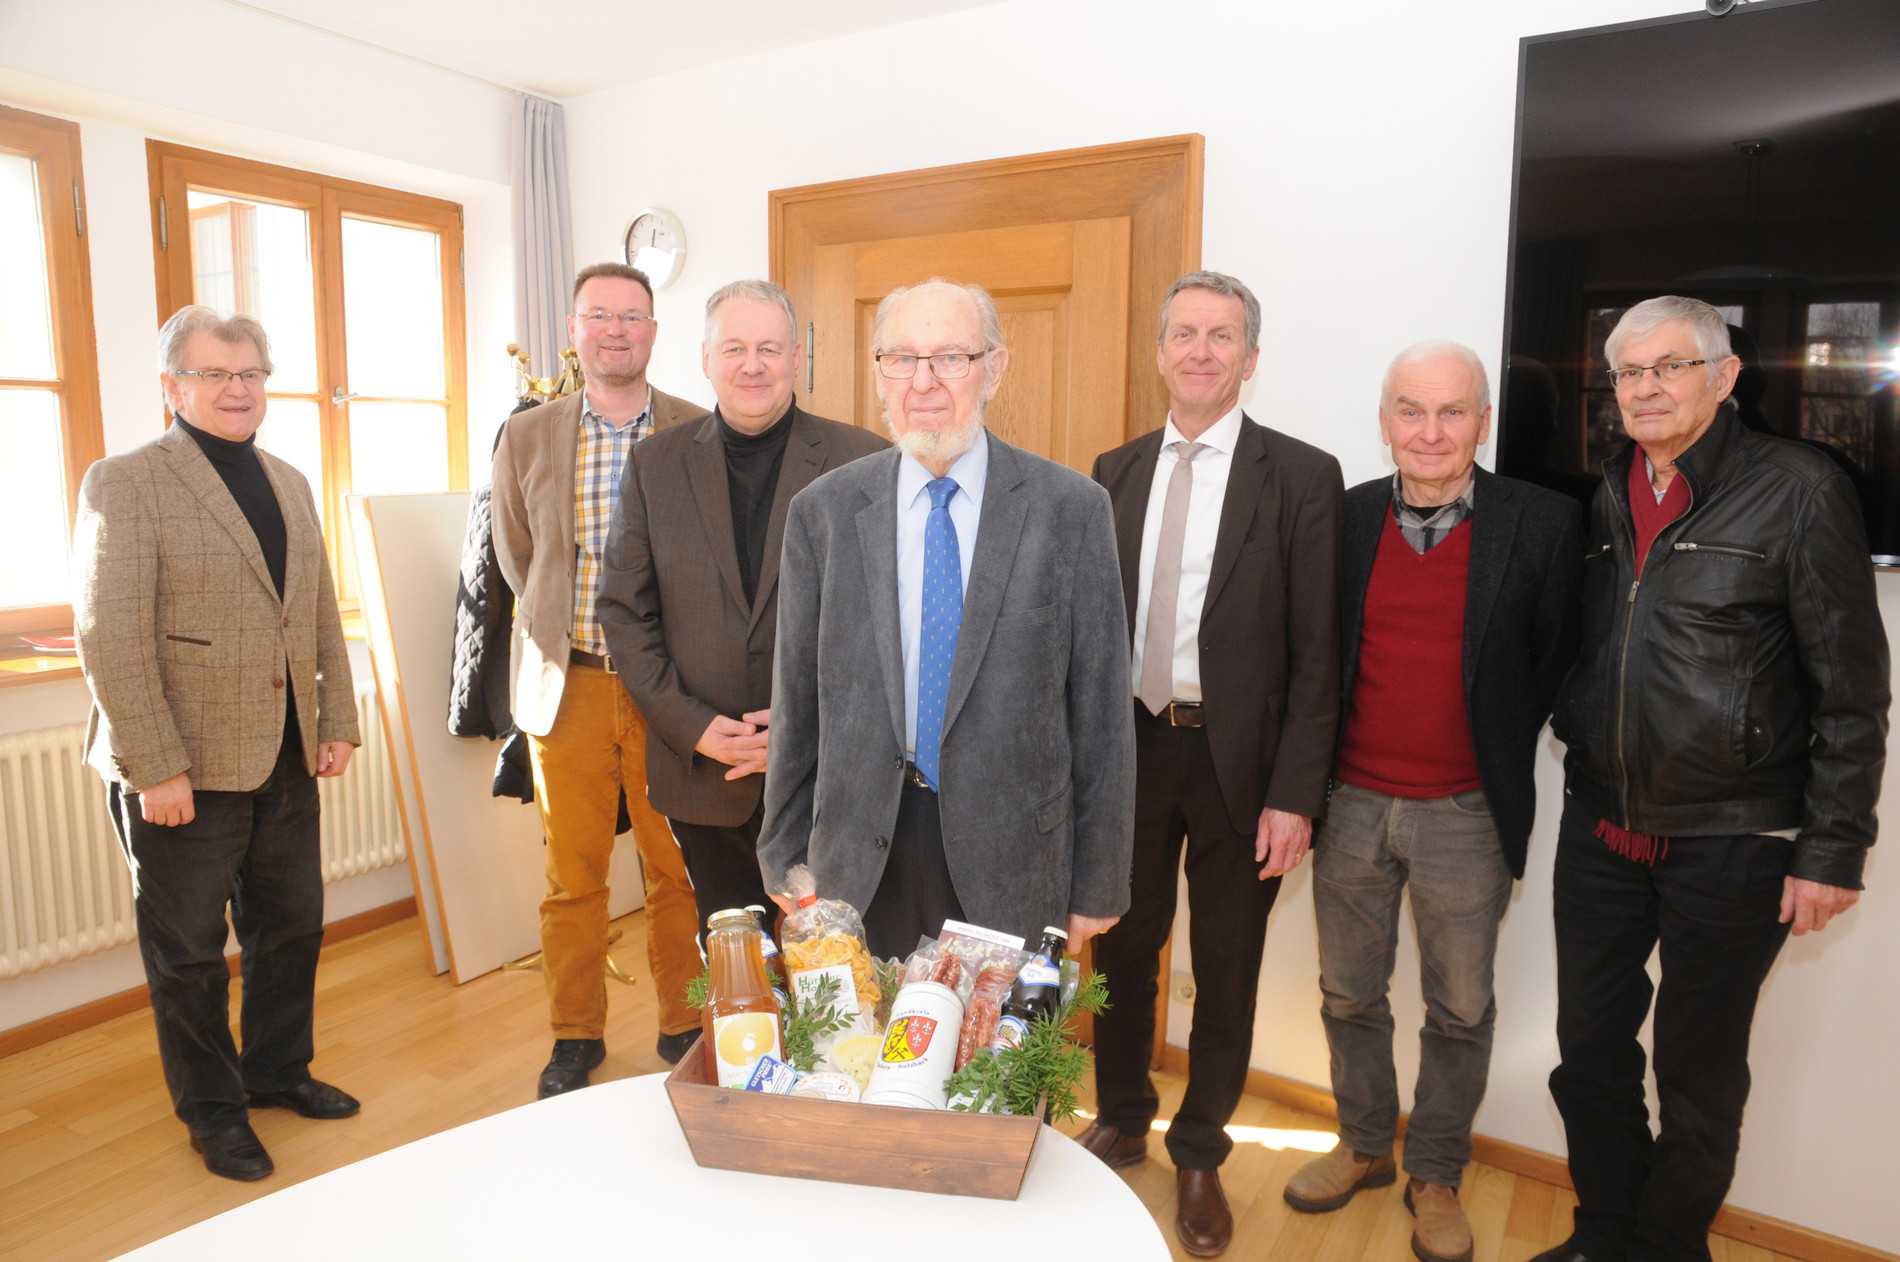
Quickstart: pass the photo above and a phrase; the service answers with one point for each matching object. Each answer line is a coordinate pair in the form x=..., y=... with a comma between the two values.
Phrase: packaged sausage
x=985, y=1007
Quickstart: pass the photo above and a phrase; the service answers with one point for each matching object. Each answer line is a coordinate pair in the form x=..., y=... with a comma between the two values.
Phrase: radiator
x=65, y=891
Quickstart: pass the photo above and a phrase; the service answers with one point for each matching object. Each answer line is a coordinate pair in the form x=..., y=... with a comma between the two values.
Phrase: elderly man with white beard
x=951, y=730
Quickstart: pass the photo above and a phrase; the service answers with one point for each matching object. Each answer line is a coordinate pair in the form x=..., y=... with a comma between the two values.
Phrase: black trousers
x=1178, y=805
x=914, y=897
x=1712, y=904
x=258, y=852
x=723, y=862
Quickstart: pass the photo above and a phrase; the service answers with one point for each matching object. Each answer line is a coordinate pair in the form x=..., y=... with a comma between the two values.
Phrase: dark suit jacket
x=678, y=628
x=1038, y=762
x=1521, y=619
x=1270, y=627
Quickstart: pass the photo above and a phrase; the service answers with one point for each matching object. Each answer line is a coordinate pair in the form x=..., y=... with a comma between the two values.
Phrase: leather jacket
x=1741, y=685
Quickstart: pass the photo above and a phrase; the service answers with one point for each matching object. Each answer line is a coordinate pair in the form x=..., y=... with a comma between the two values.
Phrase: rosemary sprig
x=1046, y=1066
x=696, y=990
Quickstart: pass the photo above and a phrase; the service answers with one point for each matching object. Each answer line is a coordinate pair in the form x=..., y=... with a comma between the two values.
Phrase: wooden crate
x=920, y=1150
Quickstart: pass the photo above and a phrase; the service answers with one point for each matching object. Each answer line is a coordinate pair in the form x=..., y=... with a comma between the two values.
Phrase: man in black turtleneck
x=208, y=628
x=689, y=596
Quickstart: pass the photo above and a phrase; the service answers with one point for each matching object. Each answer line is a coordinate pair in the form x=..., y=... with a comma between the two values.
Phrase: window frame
x=173, y=169
x=53, y=145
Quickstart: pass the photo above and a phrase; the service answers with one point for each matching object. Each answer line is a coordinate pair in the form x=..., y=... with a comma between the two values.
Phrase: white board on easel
x=478, y=857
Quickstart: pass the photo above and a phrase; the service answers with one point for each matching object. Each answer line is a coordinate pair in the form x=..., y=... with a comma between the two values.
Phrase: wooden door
x=1062, y=293
x=1078, y=247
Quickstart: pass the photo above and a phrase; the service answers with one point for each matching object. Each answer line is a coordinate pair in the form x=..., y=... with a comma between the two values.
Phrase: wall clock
x=655, y=242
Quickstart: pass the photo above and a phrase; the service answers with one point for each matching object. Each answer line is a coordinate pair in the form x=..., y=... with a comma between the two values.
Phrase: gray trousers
x=1370, y=847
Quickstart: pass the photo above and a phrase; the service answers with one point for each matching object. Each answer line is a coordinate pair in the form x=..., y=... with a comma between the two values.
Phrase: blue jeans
x=258, y=852
x=1370, y=847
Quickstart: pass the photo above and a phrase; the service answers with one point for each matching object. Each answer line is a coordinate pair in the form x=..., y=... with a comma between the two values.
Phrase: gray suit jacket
x=186, y=645
x=1038, y=758
x=673, y=609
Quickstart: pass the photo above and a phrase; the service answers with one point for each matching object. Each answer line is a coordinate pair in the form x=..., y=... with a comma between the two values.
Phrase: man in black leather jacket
x=1726, y=724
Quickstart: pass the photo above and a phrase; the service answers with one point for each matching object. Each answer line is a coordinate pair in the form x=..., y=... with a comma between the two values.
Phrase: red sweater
x=1407, y=733
x=1646, y=514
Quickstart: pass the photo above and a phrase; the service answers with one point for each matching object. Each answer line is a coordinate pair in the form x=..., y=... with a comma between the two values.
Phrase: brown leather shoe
x=1114, y=1148
x=1327, y=1182
x=1441, y=1232
x=1201, y=1218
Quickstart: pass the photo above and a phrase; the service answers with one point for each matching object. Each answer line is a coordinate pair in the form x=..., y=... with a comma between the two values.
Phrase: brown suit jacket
x=1270, y=627
x=185, y=644
x=533, y=506
x=687, y=645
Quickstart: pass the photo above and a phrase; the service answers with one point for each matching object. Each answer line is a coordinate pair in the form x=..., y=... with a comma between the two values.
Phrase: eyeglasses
x=945, y=367
x=218, y=378
x=600, y=319
x=1667, y=370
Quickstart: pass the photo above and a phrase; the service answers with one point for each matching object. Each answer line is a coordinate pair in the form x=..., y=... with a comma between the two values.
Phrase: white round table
x=606, y=1173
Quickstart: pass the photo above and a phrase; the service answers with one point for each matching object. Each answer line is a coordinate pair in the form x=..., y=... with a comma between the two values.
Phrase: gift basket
x=933, y=1073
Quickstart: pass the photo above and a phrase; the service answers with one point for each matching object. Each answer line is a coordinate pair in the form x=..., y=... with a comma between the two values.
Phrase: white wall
x=128, y=70
x=1358, y=177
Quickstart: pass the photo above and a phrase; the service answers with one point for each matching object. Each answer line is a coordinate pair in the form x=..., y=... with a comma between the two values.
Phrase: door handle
x=341, y=397
x=810, y=364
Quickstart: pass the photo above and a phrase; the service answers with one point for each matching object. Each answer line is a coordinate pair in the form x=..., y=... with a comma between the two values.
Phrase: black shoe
x=308, y=1098
x=567, y=1068
x=1565, y=1252
x=234, y=1153
x=673, y=1046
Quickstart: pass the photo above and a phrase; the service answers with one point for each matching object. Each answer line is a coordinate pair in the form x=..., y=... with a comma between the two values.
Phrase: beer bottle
x=741, y=1018
x=1037, y=990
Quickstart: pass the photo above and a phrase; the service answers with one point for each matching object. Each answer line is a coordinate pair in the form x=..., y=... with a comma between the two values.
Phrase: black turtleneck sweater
x=752, y=466
x=243, y=474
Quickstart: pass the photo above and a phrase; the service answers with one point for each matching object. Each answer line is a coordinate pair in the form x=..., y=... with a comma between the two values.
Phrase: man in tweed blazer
x=208, y=629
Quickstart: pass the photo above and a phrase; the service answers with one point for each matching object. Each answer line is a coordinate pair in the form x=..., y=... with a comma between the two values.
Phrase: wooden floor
x=92, y=1163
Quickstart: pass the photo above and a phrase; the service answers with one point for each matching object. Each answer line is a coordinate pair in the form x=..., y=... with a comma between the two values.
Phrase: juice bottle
x=741, y=1019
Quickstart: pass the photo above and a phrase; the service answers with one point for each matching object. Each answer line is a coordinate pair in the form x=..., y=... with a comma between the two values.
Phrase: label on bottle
x=1010, y=1032
x=1040, y=972
x=738, y=1042
x=846, y=1000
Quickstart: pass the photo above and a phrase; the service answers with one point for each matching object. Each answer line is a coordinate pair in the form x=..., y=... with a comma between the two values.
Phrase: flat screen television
x=1751, y=160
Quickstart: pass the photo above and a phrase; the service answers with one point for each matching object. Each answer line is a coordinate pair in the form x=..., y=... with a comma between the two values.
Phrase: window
x=49, y=389
x=360, y=289
x=1845, y=366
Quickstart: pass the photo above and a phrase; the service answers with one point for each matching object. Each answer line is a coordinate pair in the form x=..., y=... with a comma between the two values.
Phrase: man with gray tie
x=1229, y=539
x=950, y=725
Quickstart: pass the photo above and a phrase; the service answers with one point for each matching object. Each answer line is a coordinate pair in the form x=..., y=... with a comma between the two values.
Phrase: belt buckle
x=607, y=664
x=1178, y=710
x=915, y=776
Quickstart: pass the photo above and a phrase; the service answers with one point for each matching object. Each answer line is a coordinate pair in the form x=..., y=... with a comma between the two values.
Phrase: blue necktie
x=943, y=613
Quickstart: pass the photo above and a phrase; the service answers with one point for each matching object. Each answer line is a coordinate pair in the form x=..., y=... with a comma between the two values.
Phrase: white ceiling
x=565, y=48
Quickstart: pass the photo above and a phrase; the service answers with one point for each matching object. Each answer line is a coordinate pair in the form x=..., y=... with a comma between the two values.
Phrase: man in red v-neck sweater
x=1458, y=621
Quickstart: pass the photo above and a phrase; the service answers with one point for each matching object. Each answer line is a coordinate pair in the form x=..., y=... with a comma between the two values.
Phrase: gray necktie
x=1164, y=597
